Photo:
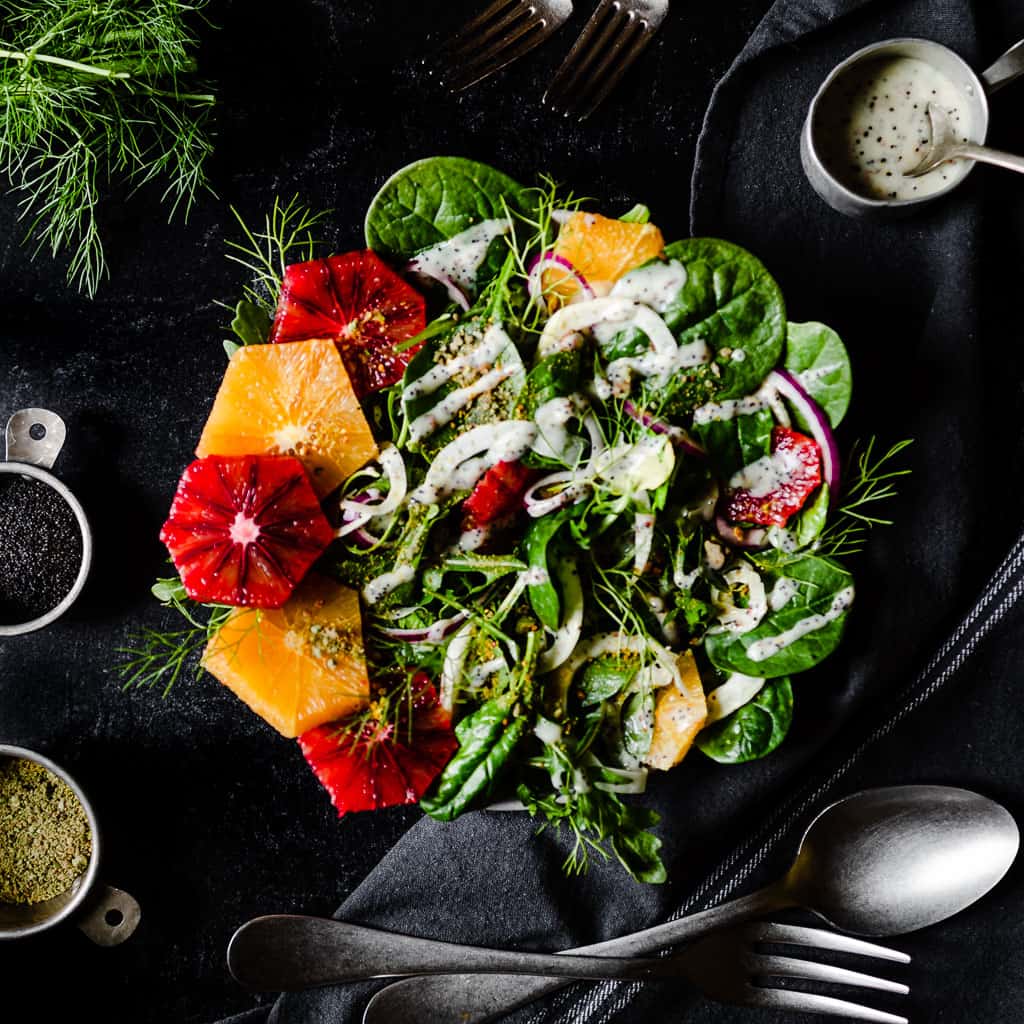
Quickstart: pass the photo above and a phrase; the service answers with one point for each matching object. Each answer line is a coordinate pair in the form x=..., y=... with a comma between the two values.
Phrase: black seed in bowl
x=40, y=549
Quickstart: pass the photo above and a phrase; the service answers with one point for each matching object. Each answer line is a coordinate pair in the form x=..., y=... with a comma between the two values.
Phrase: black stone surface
x=209, y=817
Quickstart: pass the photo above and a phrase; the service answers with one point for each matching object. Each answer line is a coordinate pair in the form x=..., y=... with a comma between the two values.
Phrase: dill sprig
x=157, y=657
x=93, y=92
x=870, y=480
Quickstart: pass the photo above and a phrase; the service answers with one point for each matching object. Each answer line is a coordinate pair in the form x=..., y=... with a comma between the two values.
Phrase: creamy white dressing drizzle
x=737, y=690
x=732, y=617
x=655, y=285
x=479, y=674
x=460, y=257
x=382, y=585
x=455, y=401
x=761, y=650
x=481, y=357
x=730, y=408
x=553, y=438
x=458, y=466
x=766, y=474
x=782, y=593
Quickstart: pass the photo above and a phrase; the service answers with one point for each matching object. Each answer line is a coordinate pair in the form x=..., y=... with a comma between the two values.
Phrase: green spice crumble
x=45, y=840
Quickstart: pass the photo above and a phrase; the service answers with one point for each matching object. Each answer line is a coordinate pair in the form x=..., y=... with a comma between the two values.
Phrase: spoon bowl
x=890, y=861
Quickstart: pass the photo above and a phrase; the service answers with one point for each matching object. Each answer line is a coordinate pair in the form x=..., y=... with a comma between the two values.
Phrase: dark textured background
x=210, y=817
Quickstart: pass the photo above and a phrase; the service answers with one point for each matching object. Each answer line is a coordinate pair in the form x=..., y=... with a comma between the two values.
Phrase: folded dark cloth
x=920, y=305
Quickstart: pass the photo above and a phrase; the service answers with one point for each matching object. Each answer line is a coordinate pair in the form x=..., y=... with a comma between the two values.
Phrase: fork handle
x=471, y=999
x=289, y=953
x=988, y=155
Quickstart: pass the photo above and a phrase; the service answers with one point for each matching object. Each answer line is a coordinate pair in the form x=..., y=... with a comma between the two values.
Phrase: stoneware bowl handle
x=110, y=916
x=35, y=436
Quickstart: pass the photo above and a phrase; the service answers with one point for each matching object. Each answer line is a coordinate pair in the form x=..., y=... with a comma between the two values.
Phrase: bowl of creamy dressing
x=868, y=125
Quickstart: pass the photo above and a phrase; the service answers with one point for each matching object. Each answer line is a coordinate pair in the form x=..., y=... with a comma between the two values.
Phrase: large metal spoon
x=944, y=145
x=880, y=862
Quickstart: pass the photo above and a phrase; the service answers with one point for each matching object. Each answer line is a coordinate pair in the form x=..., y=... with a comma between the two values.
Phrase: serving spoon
x=944, y=145
x=880, y=862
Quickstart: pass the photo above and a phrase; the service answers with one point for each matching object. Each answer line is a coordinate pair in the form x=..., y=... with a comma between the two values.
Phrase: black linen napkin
x=919, y=304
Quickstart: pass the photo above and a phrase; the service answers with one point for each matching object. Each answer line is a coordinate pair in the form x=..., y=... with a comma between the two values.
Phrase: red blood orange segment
x=375, y=763
x=293, y=400
x=358, y=301
x=795, y=471
x=602, y=250
x=244, y=530
x=299, y=666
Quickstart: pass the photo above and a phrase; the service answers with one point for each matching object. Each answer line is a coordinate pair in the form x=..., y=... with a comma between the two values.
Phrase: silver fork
x=617, y=33
x=724, y=966
x=498, y=35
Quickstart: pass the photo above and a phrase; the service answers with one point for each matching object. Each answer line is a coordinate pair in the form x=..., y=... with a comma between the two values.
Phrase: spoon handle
x=472, y=999
x=987, y=155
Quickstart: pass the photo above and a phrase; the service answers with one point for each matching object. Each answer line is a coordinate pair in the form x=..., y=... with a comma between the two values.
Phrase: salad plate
x=521, y=501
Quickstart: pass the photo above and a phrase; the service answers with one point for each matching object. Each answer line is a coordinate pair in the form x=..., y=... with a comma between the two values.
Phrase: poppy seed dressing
x=40, y=549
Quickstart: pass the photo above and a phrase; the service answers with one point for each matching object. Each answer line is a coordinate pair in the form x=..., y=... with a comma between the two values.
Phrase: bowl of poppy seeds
x=49, y=843
x=45, y=545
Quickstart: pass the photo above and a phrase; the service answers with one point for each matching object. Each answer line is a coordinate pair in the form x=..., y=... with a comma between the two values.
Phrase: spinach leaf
x=753, y=730
x=731, y=302
x=636, y=848
x=544, y=598
x=605, y=677
x=821, y=594
x=487, y=739
x=432, y=200
x=251, y=323
x=816, y=356
x=734, y=443
x=638, y=723
x=555, y=376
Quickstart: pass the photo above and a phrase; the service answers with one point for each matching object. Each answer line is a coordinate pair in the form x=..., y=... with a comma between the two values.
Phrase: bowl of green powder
x=49, y=849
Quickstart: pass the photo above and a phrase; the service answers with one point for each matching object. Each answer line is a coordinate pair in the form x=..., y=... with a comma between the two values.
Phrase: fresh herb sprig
x=157, y=657
x=870, y=481
x=92, y=92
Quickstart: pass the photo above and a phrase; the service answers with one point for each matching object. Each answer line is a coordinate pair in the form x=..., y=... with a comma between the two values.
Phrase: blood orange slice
x=602, y=250
x=299, y=666
x=357, y=300
x=291, y=400
x=245, y=530
x=380, y=762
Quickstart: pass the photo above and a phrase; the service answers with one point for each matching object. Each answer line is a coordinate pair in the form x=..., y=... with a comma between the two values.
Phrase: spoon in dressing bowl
x=880, y=862
x=944, y=145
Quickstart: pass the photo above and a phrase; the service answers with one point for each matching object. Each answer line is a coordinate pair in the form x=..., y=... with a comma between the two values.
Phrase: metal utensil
x=293, y=953
x=500, y=34
x=34, y=439
x=944, y=145
x=613, y=38
x=879, y=862
x=722, y=966
x=106, y=915
x=973, y=87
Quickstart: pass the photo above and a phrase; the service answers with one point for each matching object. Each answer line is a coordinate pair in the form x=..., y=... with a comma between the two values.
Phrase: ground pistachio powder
x=45, y=840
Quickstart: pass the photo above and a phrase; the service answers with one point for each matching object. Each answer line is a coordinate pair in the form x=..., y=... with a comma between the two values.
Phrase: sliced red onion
x=434, y=633
x=793, y=391
x=455, y=293
x=550, y=260
x=752, y=539
x=679, y=437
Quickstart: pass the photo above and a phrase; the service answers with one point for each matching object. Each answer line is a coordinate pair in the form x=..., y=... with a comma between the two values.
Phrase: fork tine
x=581, y=54
x=617, y=63
x=500, y=53
x=818, y=938
x=808, y=1002
x=811, y=970
x=478, y=22
x=468, y=43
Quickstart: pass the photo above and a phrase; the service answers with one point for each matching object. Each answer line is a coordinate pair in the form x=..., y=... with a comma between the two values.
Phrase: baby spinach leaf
x=734, y=443
x=816, y=356
x=432, y=200
x=731, y=302
x=544, y=598
x=820, y=599
x=487, y=739
x=555, y=376
x=753, y=730
x=251, y=323
x=636, y=848
x=638, y=722
x=605, y=677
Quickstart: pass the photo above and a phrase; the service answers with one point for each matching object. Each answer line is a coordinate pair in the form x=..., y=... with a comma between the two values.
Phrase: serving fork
x=500, y=34
x=616, y=34
x=728, y=967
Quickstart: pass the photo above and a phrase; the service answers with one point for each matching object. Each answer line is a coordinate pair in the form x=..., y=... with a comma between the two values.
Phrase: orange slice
x=602, y=250
x=291, y=399
x=298, y=666
x=679, y=714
